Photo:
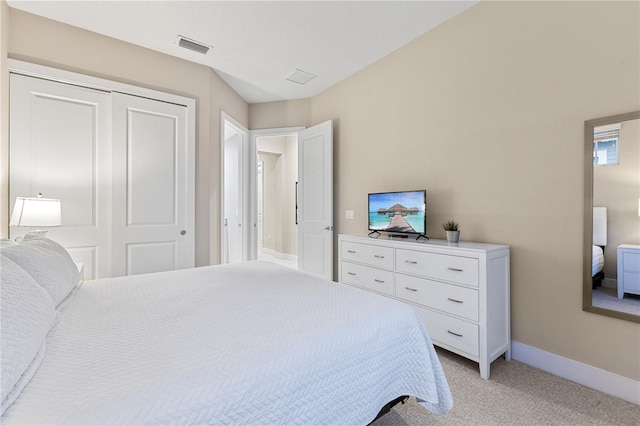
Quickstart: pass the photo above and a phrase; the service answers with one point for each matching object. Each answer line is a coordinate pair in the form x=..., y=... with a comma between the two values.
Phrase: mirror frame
x=587, y=301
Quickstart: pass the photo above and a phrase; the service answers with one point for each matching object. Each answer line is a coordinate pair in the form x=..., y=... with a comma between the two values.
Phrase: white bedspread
x=252, y=344
x=597, y=260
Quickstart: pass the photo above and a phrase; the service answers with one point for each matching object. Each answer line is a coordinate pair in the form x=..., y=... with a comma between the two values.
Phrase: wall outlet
x=350, y=214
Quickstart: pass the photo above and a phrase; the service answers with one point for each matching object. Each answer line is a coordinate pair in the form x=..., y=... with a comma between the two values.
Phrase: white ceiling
x=257, y=44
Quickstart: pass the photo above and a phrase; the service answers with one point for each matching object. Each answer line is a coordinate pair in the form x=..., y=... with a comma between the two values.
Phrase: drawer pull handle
x=351, y=251
x=454, y=300
x=351, y=273
x=454, y=269
x=455, y=334
x=379, y=281
x=378, y=256
x=411, y=289
x=411, y=262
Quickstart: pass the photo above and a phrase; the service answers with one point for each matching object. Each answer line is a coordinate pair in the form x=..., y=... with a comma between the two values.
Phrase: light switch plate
x=350, y=214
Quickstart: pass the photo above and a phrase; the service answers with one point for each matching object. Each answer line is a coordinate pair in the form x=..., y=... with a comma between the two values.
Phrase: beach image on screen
x=397, y=212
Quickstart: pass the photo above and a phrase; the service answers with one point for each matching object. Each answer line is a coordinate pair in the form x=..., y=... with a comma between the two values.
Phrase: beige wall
x=617, y=187
x=46, y=42
x=487, y=113
x=279, y=114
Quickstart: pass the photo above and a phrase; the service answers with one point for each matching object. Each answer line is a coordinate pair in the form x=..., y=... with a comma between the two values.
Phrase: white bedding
x=597, y=260
x=255, y=343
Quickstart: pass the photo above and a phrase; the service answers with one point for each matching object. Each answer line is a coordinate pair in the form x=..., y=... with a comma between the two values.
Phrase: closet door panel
x=151, y=165
x=152, y=189
x=60, y=147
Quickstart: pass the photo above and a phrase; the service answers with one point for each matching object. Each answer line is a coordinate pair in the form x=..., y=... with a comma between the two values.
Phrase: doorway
x=277, y=174
x=283, y=191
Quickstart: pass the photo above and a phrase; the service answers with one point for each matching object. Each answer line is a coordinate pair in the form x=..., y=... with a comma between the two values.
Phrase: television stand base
x=392, y=236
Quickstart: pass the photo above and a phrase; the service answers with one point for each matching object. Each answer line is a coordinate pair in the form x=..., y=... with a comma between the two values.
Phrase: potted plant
x=452, y=230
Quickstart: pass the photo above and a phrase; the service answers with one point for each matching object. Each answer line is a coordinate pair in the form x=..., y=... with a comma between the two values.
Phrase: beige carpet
x=516, y=394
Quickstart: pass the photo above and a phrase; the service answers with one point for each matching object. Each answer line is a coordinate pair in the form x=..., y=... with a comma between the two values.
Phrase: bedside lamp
x=37, y=212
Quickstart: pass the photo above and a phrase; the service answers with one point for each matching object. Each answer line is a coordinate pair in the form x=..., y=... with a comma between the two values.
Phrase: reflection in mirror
x=612, y=216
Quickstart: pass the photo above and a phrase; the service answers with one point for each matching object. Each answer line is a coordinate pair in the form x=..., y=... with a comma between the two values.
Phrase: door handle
x=328, y=228
x=183, y=232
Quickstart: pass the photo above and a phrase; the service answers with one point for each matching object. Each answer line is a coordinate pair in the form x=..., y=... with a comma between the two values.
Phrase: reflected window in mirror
x=605, y=144
x=612, y=224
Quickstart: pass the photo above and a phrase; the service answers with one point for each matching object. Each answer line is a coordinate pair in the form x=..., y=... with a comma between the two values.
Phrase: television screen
x=402, y=212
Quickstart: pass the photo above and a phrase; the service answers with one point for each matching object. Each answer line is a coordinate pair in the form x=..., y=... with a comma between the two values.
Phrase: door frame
x=252, y=177
x=226, y=119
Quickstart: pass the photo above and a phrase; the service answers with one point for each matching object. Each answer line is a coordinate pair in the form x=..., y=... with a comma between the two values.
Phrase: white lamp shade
x=36, y=212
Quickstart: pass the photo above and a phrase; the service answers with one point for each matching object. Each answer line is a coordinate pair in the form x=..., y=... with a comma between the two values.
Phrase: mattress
x=597, y=260
x=252, y=343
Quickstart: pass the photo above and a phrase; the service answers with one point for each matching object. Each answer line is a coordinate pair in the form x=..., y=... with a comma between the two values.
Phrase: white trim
x=280, y=256
x=584, y=374
x=226, y=119
x=97, y=83
x=610, y=283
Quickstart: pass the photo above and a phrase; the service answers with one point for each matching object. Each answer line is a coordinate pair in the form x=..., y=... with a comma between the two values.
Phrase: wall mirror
x=611, y=256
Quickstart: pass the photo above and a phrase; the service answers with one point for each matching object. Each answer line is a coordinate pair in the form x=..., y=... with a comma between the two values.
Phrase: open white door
x=235, y=214
x=315, y=199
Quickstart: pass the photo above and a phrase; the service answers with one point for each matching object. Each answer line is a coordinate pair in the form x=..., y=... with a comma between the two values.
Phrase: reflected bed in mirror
x=612, y=220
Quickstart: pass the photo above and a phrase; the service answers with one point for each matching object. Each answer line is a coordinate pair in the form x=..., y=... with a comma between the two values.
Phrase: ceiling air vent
x=192, y=45
x=300, y=77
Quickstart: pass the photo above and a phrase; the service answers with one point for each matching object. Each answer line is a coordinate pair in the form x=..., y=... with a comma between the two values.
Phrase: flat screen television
x=402, y=212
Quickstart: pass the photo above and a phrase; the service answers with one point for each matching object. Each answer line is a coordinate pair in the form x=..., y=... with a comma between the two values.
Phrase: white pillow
x=27, y=315
x=48, y=263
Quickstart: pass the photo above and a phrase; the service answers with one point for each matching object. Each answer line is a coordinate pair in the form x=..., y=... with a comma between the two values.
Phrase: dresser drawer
x=448, y=331
x=449, y=298
x=370, y=278
x=381, y=257
x=458, y=269
x=631, y=282
x=631, y=261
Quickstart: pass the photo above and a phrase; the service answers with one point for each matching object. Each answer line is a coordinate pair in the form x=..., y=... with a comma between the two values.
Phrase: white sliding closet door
x=152, y=190
x=60, y=146
x=121, y=165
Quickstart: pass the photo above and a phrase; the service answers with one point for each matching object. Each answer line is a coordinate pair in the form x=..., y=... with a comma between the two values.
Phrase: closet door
x=153, y=189
x=60, y=146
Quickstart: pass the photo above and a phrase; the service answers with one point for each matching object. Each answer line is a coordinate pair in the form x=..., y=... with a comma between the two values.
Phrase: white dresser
x=628, y=269
x=461, y=290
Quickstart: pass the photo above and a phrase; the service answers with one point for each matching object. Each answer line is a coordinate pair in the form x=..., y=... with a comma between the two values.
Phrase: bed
x=599, y=243
x=250, y=343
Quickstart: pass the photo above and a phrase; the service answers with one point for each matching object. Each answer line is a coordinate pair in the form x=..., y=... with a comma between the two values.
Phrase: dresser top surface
x=387, y=239
x=629, y=246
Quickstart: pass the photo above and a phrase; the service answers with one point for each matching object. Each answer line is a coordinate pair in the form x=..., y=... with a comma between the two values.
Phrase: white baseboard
x=610, y=283
x=584, y=374
x=281, y=256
